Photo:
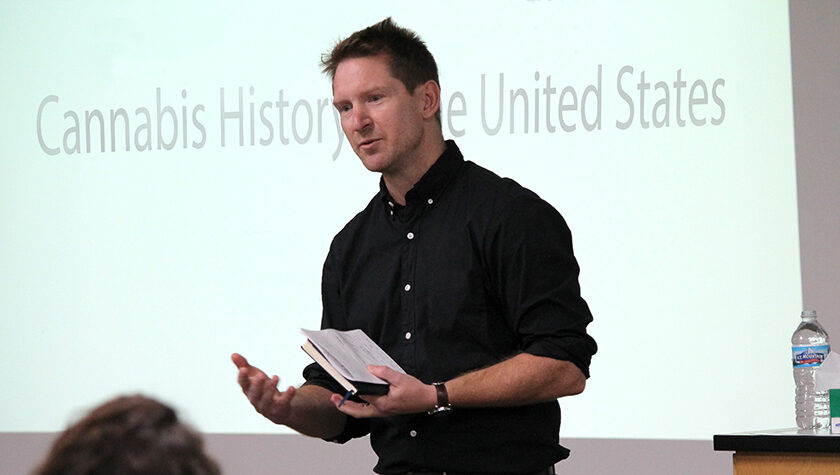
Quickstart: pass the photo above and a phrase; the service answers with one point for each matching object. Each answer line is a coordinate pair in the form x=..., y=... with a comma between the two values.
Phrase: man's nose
x=361, y=119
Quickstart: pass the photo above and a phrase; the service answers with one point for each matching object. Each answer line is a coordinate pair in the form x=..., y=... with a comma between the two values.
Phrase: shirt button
x=391, y=204
x=407, y=287
x=413, y=433
x=430, y=201
x=407, y=335
x=410, y=235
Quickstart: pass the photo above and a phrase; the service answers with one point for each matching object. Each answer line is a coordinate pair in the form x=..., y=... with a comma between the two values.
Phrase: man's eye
x=375, y=98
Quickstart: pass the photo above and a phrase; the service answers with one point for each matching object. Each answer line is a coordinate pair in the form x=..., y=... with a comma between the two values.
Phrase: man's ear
x=430, y=94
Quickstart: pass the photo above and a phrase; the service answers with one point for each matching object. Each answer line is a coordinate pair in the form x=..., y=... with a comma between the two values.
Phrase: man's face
x=381, y=119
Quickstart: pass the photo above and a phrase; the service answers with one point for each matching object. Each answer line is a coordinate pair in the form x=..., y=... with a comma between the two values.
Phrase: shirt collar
x=434, y=180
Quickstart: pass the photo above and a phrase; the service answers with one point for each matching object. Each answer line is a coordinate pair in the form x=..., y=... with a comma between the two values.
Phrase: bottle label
x=805, y=356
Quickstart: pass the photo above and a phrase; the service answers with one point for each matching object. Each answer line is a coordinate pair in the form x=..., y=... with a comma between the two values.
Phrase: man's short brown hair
x=408, y=58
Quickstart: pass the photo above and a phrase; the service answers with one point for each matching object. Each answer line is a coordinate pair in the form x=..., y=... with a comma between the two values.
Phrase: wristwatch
x=442, y=406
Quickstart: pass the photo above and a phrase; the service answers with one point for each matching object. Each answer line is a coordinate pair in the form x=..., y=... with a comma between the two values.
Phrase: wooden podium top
x=780, y=440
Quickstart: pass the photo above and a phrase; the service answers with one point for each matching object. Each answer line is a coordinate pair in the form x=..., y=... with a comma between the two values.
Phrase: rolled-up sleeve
x=536, y=274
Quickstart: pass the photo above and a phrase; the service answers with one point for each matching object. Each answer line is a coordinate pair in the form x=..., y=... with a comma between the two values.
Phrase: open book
x=345, y=355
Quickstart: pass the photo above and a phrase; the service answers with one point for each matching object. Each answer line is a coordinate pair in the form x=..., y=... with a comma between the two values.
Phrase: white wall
x=815, y=42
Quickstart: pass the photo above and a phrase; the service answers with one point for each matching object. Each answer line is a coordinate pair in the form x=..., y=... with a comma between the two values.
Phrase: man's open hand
x=262, y=391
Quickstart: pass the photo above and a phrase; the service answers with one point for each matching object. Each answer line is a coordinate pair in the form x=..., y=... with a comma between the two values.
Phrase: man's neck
x=399, y=184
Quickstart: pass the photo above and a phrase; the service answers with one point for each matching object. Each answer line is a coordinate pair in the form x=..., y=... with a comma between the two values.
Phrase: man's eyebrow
x=376, y=90
x=380, y=89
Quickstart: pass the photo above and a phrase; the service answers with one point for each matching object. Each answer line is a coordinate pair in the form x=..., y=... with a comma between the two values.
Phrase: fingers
x=239, y=360
x=289, y=393
x=262, y=391
x=251, y=379
x=355, y=409
x=262, y=394
x=269, y=401
x=243, y=379
x=258, y=387
x=406, y=395
x=384, y=372
x=243, y=366
x=247, y=374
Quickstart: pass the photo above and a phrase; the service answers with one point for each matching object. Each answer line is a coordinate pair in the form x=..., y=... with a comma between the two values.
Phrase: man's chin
x=372, y=162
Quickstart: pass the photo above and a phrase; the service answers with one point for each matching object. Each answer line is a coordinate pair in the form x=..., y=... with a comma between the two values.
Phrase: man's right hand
x=262, y=391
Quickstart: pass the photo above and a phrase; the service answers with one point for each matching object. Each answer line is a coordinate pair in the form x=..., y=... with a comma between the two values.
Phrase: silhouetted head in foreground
x=131, y=435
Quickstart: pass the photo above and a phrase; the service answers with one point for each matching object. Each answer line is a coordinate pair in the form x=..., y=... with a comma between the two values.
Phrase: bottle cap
x=809, y=314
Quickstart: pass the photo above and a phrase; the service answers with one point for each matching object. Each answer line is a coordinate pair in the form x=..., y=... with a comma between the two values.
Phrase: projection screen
x=172, y=175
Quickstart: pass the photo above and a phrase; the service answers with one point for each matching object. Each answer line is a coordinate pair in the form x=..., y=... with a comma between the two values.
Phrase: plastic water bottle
x=810, y=347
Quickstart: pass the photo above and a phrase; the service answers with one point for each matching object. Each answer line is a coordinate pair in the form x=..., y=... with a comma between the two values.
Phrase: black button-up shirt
x=472, y=270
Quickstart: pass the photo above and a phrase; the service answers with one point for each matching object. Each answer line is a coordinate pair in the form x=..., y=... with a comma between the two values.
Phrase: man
x=466, y=279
